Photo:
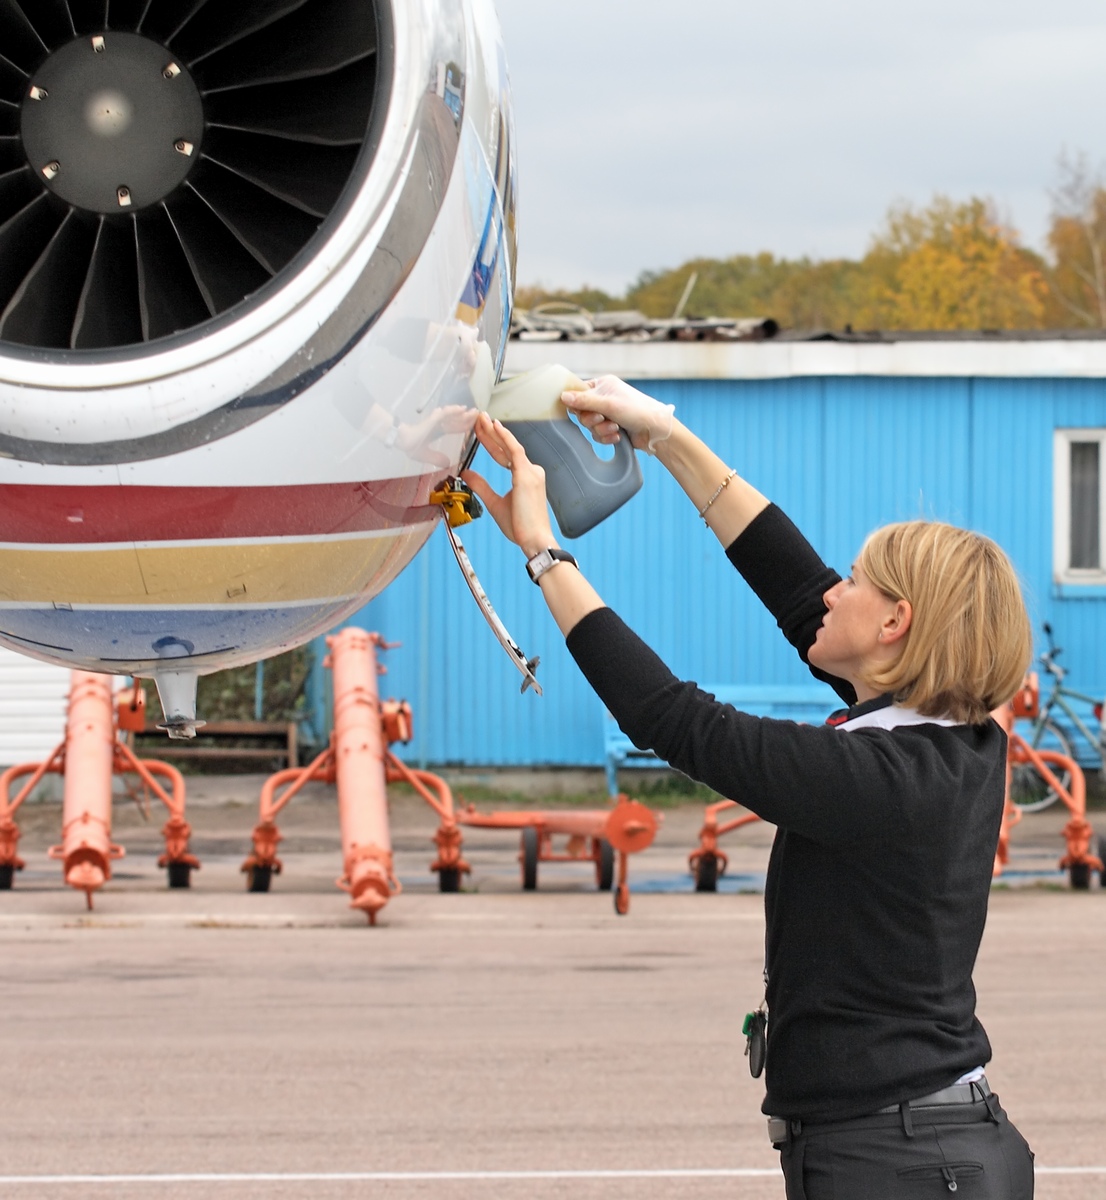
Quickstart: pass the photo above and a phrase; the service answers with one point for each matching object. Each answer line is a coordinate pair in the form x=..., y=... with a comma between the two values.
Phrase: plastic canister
x=583, y=488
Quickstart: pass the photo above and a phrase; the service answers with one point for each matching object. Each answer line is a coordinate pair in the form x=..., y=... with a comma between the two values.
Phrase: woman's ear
x=896, y=623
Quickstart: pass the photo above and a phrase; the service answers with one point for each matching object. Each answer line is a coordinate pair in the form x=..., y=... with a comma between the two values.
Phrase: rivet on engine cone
x=37, y=93
x=183, y=147
x=98, y=43
x=171, y=71
x=51, y=169
x=124, y=197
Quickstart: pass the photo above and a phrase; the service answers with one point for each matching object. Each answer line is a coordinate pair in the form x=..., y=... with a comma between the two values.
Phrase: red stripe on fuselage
x=40, y=515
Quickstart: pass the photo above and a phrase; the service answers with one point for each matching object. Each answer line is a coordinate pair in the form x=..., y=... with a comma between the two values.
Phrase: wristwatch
x=544, y=559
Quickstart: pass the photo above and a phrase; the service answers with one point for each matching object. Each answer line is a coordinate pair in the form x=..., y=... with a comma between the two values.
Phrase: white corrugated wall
x=33, y=699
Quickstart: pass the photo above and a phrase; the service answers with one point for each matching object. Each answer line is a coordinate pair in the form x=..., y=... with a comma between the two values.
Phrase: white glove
x=609, y=404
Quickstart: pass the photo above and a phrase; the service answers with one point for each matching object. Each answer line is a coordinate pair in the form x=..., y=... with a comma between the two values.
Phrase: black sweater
x=881, y=867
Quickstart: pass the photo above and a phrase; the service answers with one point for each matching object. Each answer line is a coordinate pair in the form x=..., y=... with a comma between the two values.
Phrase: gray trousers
x=958, y=1151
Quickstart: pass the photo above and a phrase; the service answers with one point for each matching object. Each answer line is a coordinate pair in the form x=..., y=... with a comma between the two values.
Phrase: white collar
x=891, y=716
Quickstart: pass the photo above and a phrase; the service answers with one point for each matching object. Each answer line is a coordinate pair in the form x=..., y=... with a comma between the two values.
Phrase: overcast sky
x=650, y=133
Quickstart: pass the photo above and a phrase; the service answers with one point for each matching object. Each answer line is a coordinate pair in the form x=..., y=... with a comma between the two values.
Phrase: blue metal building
x=1000, y=435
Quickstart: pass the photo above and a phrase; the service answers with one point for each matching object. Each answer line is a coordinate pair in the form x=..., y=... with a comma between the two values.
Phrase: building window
x=1078, y=505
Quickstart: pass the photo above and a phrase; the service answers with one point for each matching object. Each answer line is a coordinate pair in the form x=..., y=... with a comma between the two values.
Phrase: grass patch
x=1037, y=885
x=669, y=791
x=672, y=790
x=488, y=798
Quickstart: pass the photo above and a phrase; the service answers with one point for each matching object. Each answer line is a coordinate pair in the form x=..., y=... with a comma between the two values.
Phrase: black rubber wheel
x=180, y=875
x=1101, y=855
x=1080, y=876
x=706, y=873
x=7, y=876
x=258, y=879
x=604, y=865
x=529, y=858
x=1027, y=789
x=449, y=879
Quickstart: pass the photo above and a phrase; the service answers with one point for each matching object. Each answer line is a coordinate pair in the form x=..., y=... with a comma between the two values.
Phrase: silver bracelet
x=717, y=492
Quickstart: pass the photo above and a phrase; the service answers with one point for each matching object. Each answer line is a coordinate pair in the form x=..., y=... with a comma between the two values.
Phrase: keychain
x=755, y=1030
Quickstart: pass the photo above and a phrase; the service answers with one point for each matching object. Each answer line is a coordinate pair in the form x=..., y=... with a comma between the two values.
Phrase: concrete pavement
x=491, y=1043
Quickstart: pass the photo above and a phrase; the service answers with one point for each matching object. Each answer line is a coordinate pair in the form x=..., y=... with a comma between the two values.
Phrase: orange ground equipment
x=359, y=762
x=1079, y=862
x=707, y=863
x=593, y=835
x=91, y=754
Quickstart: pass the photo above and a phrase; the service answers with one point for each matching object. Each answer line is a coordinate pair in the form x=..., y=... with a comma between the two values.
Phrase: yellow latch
x=456, y=497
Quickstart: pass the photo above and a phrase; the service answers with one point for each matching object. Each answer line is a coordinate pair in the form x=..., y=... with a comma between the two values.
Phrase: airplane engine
x=256, y=272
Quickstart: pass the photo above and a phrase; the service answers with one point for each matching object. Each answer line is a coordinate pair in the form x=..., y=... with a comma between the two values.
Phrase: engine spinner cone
x=112, y=123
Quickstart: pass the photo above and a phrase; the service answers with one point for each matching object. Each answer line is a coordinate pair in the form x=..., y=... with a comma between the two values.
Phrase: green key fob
x=755, y=1030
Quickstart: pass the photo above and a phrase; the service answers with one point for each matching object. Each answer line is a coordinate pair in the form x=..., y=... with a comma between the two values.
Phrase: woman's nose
x=829, y=598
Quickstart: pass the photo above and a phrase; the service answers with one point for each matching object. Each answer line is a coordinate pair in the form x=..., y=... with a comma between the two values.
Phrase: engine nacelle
x=256, y=270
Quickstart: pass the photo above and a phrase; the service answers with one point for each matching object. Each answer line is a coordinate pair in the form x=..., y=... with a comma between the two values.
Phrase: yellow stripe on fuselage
x=213, y=573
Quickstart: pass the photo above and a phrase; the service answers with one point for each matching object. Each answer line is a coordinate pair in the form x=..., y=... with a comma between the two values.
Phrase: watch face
x=544, y=559
x=540, y=563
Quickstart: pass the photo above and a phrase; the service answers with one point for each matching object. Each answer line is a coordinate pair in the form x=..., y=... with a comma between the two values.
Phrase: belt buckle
x=779, y=1131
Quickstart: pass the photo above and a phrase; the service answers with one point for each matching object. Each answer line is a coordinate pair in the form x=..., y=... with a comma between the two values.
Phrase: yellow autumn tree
x=951, y=266
x=1077, y=240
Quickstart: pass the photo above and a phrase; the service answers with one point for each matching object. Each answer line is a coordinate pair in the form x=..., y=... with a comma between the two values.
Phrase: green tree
x=593, y=299
x=231, y=694
x=950, y=265
x=799, y=293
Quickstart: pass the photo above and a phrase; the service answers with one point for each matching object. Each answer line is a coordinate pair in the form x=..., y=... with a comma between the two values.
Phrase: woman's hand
x=523, y=513
x=609, y=404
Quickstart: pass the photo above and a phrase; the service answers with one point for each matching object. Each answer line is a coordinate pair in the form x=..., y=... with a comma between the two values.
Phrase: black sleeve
x=785, y=572
x=792, y=775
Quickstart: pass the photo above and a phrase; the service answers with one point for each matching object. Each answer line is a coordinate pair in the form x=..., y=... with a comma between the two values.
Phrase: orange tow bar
x=1079, y=861
x=88, y=758
x=708, y=861
x=359, y=761
x=593, y=835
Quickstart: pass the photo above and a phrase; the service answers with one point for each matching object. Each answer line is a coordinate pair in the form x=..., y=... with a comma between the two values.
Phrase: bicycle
x=1028, y=790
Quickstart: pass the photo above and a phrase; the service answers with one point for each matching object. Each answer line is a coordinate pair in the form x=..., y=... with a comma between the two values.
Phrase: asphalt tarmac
x=213, y=1043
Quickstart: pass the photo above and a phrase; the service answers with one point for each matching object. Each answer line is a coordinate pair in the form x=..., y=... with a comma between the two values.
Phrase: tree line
x=949, y=265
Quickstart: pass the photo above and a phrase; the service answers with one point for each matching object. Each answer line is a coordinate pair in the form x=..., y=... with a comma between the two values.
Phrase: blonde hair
x=969, y=642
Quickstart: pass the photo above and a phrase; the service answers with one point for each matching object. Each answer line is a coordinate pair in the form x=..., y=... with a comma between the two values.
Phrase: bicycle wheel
x=1028, y=790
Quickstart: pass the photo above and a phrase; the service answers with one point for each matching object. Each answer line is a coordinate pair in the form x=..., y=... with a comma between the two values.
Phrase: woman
x=888, y=816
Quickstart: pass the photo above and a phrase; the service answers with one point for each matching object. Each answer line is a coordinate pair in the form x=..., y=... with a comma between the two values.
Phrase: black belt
x=958, y=1093
x=961, y=1103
